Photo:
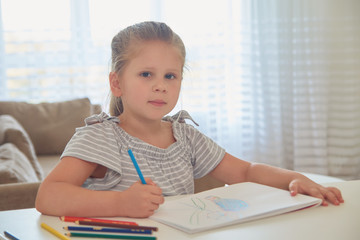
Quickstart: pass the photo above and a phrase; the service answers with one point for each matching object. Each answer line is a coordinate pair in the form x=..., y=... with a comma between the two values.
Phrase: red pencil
x=74, y=219
x=115, y=225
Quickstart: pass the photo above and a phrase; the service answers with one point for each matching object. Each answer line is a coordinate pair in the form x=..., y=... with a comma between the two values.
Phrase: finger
x=330, y=196
x=293, y=188
x=155, y=190
x=154, y=207
x=316, y=192
x=337, y=194
x=149, y=181
x=150, y=212
x=158, y=200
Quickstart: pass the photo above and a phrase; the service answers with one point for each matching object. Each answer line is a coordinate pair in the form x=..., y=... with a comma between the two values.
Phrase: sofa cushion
x=14, y=165
x=12, y=132
x=49, y=125
x=18, y=195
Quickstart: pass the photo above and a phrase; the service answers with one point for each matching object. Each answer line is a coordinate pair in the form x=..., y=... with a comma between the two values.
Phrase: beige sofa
x=32, y=137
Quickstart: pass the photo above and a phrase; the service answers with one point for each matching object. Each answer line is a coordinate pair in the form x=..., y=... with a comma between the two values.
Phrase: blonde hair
x=123, y=47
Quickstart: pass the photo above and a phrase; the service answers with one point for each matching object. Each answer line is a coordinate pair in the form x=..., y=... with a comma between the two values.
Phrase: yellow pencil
x=53, y=231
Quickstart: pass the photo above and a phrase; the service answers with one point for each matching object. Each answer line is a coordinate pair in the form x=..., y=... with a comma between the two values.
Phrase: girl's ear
x=114, y=81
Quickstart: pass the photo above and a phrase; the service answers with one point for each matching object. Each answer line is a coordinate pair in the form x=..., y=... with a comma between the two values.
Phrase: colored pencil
x=10, y=236
x=54, y=232
x=74, y=219
x=112, y=230
x=115, y=225
x=93, y=235
x=136, y=166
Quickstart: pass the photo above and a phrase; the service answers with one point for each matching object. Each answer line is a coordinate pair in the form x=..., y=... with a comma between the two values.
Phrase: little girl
x=96, y=176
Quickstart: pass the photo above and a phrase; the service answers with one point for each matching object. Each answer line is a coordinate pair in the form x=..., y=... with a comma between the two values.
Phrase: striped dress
x=173, y=169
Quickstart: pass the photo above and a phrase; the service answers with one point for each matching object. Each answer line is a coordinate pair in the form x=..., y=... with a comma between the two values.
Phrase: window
x=271, y=81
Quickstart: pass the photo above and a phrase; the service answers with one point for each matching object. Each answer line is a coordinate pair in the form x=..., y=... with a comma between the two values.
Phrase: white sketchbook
x=229, y=205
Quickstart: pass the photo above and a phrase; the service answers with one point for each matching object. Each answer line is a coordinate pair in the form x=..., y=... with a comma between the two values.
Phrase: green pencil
x=93, y=235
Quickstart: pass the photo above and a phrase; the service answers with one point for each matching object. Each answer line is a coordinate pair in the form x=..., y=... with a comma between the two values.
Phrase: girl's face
x=150, y=83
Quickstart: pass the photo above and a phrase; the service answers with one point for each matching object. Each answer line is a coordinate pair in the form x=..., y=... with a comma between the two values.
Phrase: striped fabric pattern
x=102, y=141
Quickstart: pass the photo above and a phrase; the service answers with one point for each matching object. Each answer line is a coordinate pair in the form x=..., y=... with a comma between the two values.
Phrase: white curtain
x=301, y=85
x=273, y=81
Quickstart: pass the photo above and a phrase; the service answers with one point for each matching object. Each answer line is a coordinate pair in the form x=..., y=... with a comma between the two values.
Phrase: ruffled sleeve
x=99, y=118
x=180, y=117
x=96, y=143
x=205, y=153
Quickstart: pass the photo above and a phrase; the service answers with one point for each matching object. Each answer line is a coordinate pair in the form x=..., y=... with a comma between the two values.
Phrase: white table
x=332, y=222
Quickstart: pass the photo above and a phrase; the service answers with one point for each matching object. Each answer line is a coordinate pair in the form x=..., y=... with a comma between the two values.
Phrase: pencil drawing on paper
x=226, y=208
x=228, y=204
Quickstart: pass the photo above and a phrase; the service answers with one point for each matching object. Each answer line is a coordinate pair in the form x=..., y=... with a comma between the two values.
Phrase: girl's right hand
x=141, y=200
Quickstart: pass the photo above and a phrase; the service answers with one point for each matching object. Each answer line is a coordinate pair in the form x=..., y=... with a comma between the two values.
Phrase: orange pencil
x=74, y=219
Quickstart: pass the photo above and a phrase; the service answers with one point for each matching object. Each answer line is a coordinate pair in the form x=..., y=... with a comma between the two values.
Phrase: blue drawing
x=227, y=204
x=229, y=209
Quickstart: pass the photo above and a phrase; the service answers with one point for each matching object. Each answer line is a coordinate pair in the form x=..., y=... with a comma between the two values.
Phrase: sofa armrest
x=18, y=195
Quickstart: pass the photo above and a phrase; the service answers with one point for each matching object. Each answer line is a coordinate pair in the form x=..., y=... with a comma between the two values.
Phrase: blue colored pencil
x=136, y=166
x=116, y=225
x=98, y=235
x=112, y=230
x=10, y=236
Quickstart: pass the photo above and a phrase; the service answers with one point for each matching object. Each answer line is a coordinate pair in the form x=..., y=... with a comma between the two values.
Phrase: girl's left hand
x=308, y=187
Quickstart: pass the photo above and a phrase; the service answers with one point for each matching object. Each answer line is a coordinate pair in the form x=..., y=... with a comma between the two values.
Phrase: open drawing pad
x=228, y=205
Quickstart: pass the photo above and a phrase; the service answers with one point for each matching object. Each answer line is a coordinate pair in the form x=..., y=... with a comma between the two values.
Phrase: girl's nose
x=159, y=86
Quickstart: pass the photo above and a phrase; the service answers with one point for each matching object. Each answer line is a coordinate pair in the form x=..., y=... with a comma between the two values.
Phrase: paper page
x=228, y=205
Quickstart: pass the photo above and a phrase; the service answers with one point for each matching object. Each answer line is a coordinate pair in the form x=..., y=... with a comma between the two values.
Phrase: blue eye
x=170, y=76
x=145, y=74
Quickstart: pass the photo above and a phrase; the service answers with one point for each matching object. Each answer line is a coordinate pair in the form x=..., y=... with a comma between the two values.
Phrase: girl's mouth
x=157, y=103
